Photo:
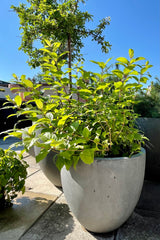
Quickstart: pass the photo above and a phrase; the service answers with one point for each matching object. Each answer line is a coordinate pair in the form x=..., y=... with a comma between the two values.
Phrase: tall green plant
x=61, y=21
x=101, y=123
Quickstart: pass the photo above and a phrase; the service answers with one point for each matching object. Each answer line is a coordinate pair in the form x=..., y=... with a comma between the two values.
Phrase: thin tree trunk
x=69, y=61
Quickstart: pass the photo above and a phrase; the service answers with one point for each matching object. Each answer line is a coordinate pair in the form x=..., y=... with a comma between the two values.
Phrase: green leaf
x=8, y=98
x=15, y=76
x=137, y=59
x=77, y=141
x=23, y=189
x=87, y=156
x=140, y=58
x=16, y=134
x=143, y=79
x=45, y=50
x=66, y=154
x=108, y=60
x=85, y=91
x=68, y=164
x=48, y=42
x=50, y=106
x=102, y=87
x=127, y=70
x=28, y=83
x=31, y=129
x=43, y=153
x=62, y=121
x=134, y=73
x=39, y=103
x=86, y=133
x=75, y=161
x=18, y=100
x=101, y=64
x=118, y=84
x=57, y=45
x=131, y=85
x=143, y=70
x=74, y=126
x=118, y=73
x=57, y=144
x=60, y=161
x=131, y=53
x=122, y=60
x=23, y=77
x=12, y=115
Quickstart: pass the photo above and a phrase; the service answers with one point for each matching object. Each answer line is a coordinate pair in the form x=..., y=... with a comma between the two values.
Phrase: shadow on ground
x=26, y=209
x=56, y=223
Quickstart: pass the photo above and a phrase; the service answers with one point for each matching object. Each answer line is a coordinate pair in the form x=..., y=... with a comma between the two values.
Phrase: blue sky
x=134, y=24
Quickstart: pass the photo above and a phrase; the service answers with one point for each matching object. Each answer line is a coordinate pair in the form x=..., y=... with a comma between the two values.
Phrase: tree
x=59, y=21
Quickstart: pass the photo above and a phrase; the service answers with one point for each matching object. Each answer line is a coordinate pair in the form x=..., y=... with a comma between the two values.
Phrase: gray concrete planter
x=104, y=194
x=48, y=167
x=151, y=129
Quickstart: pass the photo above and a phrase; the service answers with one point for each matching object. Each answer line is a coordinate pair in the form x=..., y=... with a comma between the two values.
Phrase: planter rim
x=97, y=159
x=148, y=118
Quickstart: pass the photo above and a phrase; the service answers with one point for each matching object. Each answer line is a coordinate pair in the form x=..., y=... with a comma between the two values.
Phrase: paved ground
x=42, y=213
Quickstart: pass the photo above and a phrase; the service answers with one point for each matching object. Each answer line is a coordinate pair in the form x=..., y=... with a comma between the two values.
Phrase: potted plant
x=94, y=139
x=12, y=176
x=148, y=107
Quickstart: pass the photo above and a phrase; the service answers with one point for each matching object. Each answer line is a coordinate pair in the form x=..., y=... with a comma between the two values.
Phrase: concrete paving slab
x=31, y=171
x=140, y=228
x=31, y=160
x=27, y=208
x=58, y=223
x=38, y=183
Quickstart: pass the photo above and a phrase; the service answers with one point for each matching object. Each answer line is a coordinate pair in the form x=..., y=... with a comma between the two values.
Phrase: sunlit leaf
x=122, y=60
x=118, y=84
x=86, y=133
x=28, y=83
x=39, y=103
x=62, y=121
x=31, y=129
x=131, y=53
x=18, y=100
x=87, y=156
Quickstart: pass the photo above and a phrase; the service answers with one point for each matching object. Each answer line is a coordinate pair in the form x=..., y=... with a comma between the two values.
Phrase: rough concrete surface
x=140, y=228
x=38, y=182
x=26, y=209
x=150, y=197
x=42, y=213
x=58, y=223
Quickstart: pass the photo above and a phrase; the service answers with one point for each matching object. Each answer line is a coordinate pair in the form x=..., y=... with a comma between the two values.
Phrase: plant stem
x=69, y=61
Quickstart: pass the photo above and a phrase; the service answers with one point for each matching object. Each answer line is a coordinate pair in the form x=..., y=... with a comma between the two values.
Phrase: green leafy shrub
x=148, y=102
x=95, y=118
x=12, y=176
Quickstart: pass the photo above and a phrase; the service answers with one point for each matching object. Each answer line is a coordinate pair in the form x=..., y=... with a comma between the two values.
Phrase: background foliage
x=12, y=176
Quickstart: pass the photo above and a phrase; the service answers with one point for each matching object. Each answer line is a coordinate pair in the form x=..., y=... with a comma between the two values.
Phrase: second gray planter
x=48, y=167
x=151, y=129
